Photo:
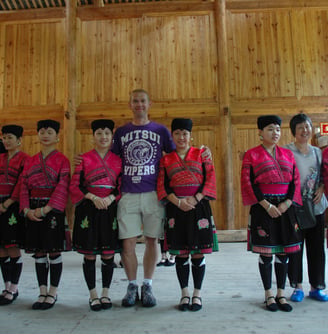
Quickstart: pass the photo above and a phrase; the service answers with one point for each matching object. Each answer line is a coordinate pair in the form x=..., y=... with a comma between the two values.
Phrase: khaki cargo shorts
x=140, y=214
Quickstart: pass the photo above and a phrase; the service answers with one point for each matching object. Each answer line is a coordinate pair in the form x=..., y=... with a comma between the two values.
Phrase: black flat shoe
x=6, y=301
x=47, y=306
x=184, y=306
x=38, y=305
x=3, y=293
x=273, y=307
x=95, y=307
x=169, y=263
x=194, y=306
x=161, y=263
x=106, y=303
x=283, y=306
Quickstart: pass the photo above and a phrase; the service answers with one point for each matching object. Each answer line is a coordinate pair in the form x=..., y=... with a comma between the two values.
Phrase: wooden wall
x=223, y=63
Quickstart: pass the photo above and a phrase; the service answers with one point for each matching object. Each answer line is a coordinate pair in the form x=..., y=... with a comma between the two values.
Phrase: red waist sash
x=274, y=189
x=182, y=191
x=41, y=192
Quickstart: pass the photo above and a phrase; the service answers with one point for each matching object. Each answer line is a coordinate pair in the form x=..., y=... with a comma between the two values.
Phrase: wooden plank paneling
x=260, y=57
x=34, y=68
x=310, y=42
x=108, y=49
x=173, y=57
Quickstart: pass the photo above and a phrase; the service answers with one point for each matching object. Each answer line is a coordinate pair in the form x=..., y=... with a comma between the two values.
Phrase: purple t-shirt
x=141, y=147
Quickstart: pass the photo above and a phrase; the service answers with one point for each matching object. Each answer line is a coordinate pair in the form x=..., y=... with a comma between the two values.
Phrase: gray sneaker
x=131, y=296
x=147, y=297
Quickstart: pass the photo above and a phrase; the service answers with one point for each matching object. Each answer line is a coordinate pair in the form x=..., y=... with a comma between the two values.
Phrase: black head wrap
x=48, y=123
x=181, y=124
x=102, y=124
x=264, y=121
x=16, y=130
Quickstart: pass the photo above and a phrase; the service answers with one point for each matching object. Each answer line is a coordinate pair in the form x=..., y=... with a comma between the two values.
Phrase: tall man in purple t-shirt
x=140, y=144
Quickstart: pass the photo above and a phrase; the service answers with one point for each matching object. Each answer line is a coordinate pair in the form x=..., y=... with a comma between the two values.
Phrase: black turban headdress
x=48, y=123
x=102, y=124
x=264, y=121
x=16, y=130
x=181, y=124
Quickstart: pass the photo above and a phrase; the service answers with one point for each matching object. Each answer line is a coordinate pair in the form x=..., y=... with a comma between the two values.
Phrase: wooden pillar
x=71, y=98
x=70, y=108
x=224, y=115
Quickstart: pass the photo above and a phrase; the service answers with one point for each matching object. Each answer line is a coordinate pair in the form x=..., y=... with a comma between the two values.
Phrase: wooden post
x=70, y=108
x=224, y=114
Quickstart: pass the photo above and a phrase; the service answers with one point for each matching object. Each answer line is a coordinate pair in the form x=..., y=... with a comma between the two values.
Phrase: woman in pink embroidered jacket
x=11, y=222
x=43, y=198
x=186, y=183
x=270, y=183
x=95, y=191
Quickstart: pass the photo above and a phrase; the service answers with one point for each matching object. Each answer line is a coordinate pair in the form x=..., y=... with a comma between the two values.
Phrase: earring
x=261, y=137
x=57, y=141
x=19, y=143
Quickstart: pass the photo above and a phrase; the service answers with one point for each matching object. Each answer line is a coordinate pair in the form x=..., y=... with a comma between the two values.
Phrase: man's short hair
x=139, y=90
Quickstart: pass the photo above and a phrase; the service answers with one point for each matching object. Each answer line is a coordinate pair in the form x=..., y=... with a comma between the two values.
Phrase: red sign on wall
x=324, y=128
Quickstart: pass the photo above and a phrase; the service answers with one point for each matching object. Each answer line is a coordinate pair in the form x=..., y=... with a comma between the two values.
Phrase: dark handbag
x=305, y=214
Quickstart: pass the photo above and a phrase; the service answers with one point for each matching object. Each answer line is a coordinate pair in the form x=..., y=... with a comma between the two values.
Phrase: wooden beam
x=245, y=5
x=160, y=109
x=244, y=108
x=32, y=14
x=132, y=10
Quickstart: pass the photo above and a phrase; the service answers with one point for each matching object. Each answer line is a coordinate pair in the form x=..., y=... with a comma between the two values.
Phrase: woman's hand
x=31, y=215
x=5, y=205
x=191, y=200
x=284, y=206
x=185, y=205
x=3, y=209
x=273, y=211
x=207, y=154
x=100, y=203
x=38, y=213
x=77, y=159
x=108, y=200
x=318, y=194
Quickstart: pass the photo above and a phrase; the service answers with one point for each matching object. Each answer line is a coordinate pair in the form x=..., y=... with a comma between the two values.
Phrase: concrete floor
x=232, y=302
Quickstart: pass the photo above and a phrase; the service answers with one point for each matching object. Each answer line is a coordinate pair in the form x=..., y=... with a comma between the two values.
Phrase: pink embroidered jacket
x=100, y=176
x=186, y=177
x=46, y=179
x=262, y=175
x=10, y=174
